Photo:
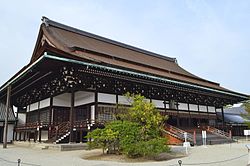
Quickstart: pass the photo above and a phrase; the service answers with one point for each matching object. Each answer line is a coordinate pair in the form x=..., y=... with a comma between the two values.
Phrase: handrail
x=32, y=125
x=219, y=132
x=178, y=132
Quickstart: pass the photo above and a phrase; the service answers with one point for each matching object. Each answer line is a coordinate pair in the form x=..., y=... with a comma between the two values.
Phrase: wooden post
x=28, y=136
x=6, y=117
x=14, y=132
x=81, y=135
x=223, y=118
x=19, y=136
x=71, y=116
x=96, y=105
x=39, y=123
x=50, y=110
x=40, y=135
x=50, y=116
x=116, y=101
x=24, y=137
x=190, y=119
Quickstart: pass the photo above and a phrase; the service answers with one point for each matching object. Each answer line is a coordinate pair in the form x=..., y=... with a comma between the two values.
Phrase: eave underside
x=53, y=76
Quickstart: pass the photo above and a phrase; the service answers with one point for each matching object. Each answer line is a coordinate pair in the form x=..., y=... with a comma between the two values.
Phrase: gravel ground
x=226, y=155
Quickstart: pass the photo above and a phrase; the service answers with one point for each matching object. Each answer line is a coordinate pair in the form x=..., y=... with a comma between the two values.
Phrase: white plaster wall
x=83, y=97
x=92, y=114
x=193, y=107
x=123, y=100
x=107, y=98
x=28, y=108
x=10, y=132
x=211, y=109
x=203, y=108
x=62, y=100
x=33, y=106
x=45, y=103
x=21, y=118
x=17, y=135
x=158, y=103
x=183, y=106
x=44, y=135
x=172, y=104
x=218, y=110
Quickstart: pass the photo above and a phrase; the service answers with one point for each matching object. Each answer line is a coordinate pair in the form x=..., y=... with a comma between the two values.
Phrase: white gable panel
x=45, y=103
x=106, y=98
x=62, y=100
x=83, y=97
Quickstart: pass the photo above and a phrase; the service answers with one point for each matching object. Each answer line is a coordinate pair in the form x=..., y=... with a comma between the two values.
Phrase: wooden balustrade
x=218, y=132
x=178, y=132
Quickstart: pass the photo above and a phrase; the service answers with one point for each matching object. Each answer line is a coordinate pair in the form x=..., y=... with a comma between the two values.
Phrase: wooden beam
x=5, y=134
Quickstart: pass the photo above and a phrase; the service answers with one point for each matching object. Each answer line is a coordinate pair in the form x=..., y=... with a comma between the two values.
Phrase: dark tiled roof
x=11, y=116
x=87, y=46
x=233, y=118
x=235, y=110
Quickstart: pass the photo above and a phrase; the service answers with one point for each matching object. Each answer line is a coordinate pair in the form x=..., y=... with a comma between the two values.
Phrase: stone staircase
x=176, y=135
x=214, y=135
x=194, y=136
x=62, y=137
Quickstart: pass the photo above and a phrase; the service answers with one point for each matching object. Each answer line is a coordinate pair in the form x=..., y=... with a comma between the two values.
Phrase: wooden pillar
x=116, y=100
x=39, y=114
x=178, y=118
x=28, y=135
x=40, y=135
x=35, y=136
x=24, y=137
x=165, y=109
x=15, y=136
x=96, y=105
x=71, y=116
x=50, y=111
x=50, y=116
x=223, y=118
x=190, y=119
x=19, y=136
x=199, y=120
x=39, y=123
x=16, y=124
x=81, y=136
x=6, y=117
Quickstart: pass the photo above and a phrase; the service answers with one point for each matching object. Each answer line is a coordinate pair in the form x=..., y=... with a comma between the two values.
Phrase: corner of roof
x=45, y=20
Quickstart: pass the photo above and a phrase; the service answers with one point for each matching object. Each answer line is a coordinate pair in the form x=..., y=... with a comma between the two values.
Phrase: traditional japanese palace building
x=75, y=80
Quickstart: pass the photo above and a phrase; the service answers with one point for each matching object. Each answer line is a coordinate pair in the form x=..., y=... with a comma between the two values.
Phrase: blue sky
x=210, y=38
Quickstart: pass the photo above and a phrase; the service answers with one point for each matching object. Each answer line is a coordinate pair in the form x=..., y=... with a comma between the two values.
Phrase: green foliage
x=246, y=105
x=146, y=148
x=103, y=138
x=136, y=134
x=144, y=113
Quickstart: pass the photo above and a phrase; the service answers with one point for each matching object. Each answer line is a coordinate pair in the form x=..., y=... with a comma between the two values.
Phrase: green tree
x=246, y=105
x=146, y=114
x=136, y=134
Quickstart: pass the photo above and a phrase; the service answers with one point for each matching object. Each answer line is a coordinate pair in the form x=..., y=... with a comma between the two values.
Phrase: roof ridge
x=49, y=22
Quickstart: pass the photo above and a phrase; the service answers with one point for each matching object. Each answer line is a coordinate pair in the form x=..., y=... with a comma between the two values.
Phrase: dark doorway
x=172, y=120
x=1, y=134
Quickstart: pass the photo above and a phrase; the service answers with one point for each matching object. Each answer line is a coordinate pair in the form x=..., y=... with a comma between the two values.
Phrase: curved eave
x=243, y=96
x=117, y=70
